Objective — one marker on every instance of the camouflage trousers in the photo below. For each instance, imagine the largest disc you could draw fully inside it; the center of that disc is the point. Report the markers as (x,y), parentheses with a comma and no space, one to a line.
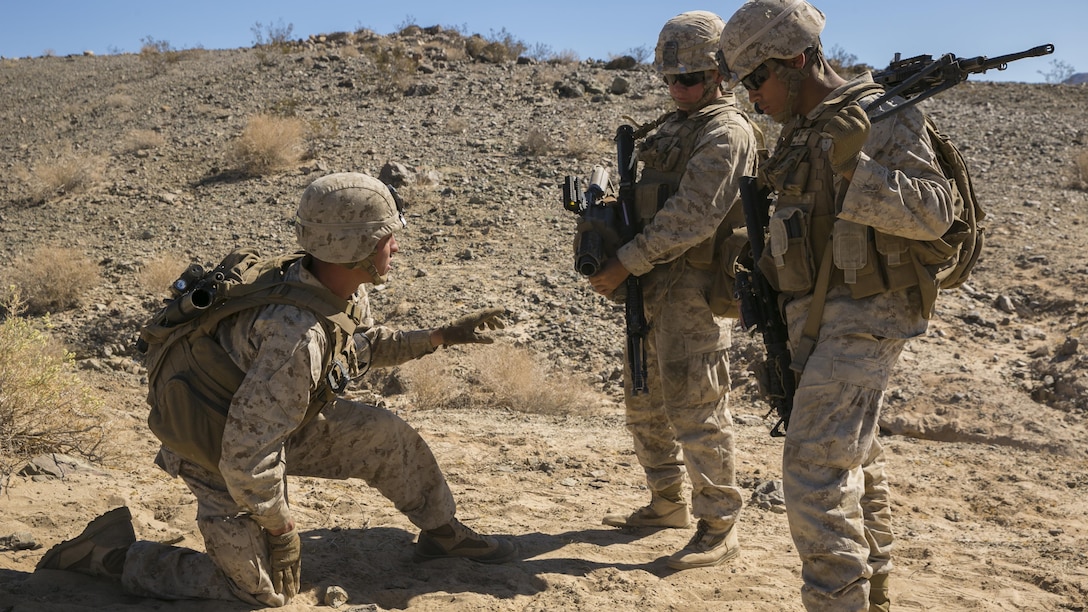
(348,440)
(833,471)
(682,424)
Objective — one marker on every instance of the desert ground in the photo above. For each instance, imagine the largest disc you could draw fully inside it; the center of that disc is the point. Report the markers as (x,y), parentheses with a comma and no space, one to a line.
(985,420)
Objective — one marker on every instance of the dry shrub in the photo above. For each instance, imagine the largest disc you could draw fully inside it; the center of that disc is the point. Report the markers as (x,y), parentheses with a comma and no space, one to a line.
(535,143)
(420,195)
(516,378)
(44,406)
(1081,180)
(495,376)
(50,279)
(120,100)
(158,272)
(565,57)
(433,382)
(457,125)
(268,144)
(158,53)
(395,66)
(70,173)
(591,147)
(141,140)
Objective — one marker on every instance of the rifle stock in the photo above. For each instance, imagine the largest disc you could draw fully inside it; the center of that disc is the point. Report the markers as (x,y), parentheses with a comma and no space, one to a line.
(760,311)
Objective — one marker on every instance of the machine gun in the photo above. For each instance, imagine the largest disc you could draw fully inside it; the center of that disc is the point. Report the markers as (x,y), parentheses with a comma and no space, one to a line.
(917,78)
(759,309)
(605,225)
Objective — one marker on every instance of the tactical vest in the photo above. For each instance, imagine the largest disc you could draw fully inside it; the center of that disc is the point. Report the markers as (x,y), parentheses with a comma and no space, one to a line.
(192,379)
(866,260)
(664,155)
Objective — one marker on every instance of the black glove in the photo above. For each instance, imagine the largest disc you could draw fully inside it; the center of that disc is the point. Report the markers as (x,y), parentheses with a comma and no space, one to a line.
(848,131)
(285,552)
(464,330)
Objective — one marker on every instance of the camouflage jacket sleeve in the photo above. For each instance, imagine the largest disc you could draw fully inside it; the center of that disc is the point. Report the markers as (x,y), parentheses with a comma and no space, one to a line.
(281,348)
(382,347)
(723,153)
(898,187)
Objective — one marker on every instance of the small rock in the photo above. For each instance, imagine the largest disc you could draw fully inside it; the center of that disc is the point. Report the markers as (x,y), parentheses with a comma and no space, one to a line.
(769,495)
(335,597)
(23,540)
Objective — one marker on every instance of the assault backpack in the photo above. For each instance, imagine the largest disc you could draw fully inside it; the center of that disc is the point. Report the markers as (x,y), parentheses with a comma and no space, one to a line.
(930,265)
(966,233)
(192,379)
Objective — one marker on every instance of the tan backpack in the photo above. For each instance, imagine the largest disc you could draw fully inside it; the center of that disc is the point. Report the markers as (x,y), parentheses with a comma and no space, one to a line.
(192,379)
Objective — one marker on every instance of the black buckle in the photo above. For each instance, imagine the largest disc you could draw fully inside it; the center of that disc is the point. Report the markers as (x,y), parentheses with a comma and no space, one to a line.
(337,378)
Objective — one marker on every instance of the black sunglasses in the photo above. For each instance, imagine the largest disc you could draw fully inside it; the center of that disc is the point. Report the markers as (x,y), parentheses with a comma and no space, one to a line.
(756,78)
(686,79)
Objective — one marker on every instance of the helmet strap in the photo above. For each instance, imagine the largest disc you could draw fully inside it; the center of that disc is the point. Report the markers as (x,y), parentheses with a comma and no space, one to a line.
(792,77)
(378,279)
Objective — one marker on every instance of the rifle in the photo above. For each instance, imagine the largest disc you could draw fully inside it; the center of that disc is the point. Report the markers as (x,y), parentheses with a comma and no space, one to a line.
(606,225)
(634,314)
(759,308)
(917,78)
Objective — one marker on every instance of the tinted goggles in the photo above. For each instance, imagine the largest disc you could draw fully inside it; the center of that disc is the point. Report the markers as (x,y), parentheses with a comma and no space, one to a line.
(687,79)
(756,78)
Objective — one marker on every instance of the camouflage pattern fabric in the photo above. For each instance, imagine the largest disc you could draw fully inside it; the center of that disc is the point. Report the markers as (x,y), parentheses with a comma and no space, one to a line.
(725,151)
(280,348)
(833,468)
(768,29)
(684,423)
(688,43)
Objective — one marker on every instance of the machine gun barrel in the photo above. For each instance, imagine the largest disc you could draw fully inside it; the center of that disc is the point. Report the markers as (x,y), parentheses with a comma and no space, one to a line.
(919,77)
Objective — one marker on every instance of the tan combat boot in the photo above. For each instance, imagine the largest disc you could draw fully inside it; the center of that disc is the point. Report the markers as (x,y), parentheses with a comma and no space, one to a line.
(455,539)
(707,548)
(878,594)
(98,551)
(665,510)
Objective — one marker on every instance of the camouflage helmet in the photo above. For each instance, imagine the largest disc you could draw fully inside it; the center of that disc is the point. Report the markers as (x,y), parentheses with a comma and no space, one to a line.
(767,29)
(342,217)
(688,43)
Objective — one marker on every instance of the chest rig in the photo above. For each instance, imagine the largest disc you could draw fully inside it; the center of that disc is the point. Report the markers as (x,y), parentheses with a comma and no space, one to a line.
(806,243)
(664,156)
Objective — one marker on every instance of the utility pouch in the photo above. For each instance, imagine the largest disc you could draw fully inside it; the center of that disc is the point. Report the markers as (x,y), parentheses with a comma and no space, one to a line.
(649,198)
(895,254)
(789,251)
(722,297)
(189,410)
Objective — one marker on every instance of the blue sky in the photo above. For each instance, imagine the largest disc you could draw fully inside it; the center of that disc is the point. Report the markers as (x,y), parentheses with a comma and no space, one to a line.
(872,31)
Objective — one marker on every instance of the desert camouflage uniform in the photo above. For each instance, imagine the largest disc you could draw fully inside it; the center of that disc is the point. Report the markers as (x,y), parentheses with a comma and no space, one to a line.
(684,420)
(281,348)
(833,463)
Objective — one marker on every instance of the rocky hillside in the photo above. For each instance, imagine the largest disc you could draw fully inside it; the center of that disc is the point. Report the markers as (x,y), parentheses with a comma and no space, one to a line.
(482,143)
